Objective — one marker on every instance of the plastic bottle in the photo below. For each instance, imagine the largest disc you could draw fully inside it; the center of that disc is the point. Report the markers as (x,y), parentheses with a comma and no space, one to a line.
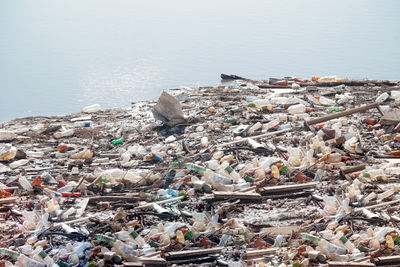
(7,135)
(347,243)
(117,141)
(138,239)
(24,183)
(85,154)
(69,212)
(64,133)
(255,127)
(42,256)
(310,238)
(180,237)
(7,152)
(382,97)
(368,198)
(124,250)
(108,239)
(330,249)
(385,194)
(91,108)
(296,109)
(195,167)
(24,261)
(278,241)
(270,125)
(275,171)
(204,142)
(9,253)
(232,172)
(18,163)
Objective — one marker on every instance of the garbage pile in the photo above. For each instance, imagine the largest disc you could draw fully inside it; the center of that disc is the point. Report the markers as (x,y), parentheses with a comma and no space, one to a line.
(278,172)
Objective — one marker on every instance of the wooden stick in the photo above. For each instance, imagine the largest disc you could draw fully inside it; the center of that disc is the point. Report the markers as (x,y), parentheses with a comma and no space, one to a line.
(380,205)
(190,253)
(341,114)
(259,252)
(346,170)
(236,195)
(148,205)
(253,137)
(352,264)
(282,188)
(7,200)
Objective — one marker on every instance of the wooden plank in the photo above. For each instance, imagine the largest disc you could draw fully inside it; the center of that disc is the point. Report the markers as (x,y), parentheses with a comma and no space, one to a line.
(391,117)
(283,188)
(194,252)
(237,195)
(346,170)
(352,264)
(259,252)
(7,200)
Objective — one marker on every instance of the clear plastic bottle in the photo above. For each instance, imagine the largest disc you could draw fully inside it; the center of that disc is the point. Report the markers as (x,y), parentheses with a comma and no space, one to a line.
(24,261)
(297,109)
(42,256)
(64,133)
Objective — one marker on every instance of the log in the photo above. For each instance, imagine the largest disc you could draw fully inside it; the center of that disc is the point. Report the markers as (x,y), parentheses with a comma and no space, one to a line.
(190,253)
(341,114)
(231,77)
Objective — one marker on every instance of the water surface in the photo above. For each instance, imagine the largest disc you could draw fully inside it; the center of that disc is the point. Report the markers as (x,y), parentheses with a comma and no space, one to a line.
(57,56)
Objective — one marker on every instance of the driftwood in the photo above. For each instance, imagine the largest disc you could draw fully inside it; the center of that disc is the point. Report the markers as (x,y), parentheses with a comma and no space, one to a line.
(260,252)
(246,140)
(346,170)
(351,264)
(285,188)
(237,195)
(341,114)
(191,253)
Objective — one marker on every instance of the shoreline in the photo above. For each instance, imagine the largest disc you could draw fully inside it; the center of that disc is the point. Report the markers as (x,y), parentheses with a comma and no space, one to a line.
(253,172)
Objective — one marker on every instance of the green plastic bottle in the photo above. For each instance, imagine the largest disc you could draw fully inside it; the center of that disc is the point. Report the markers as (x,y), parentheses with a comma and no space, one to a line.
(117,142)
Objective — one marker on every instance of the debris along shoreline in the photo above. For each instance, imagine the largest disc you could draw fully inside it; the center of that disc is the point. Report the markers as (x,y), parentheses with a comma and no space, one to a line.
(279,172)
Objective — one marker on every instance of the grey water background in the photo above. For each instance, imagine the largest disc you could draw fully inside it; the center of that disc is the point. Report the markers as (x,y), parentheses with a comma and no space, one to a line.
(57,56)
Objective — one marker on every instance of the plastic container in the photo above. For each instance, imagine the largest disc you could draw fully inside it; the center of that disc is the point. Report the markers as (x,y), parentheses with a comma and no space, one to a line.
(64,133)
(25,184)
(91,108)
(382,98)
(297,109)
(7,135)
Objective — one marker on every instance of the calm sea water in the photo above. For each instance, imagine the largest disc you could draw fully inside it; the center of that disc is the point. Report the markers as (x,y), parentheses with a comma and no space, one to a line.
(57,56)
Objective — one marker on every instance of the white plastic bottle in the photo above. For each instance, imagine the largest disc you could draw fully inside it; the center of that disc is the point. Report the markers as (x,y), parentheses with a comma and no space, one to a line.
(296,109)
